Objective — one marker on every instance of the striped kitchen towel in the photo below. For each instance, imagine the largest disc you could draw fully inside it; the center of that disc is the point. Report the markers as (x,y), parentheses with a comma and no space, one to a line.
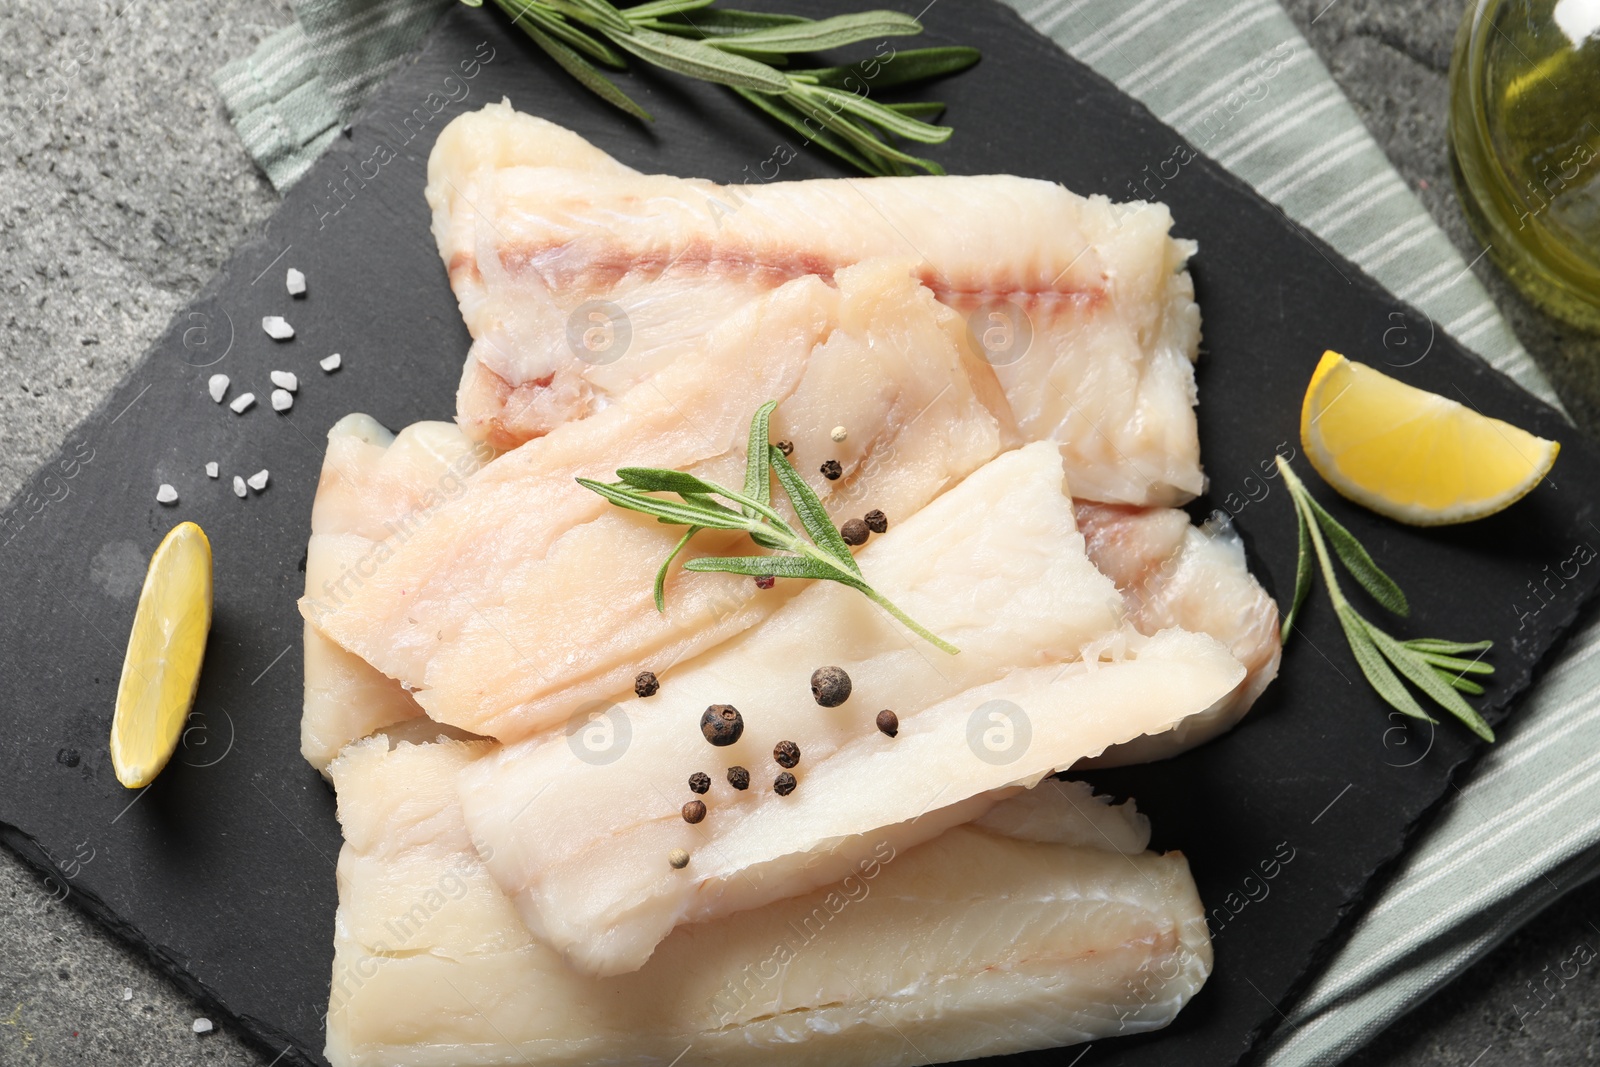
(1238,81)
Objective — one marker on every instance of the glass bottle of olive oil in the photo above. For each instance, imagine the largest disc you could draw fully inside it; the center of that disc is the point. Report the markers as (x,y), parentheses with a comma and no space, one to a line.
(1525,145)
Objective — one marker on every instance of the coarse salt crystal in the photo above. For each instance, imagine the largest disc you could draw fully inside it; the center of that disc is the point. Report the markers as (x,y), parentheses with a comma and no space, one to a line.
(218,385)
(282,400)
(202,1025)
(238,486)
(330,363)
(296,282)
(211,469)
(258,480)
(285,380)
(127,992)
(166,494)
(277,327)
(242,401)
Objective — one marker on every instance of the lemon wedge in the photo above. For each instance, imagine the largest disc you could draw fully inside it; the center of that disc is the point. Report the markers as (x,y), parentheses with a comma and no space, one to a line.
(1412,455)
(162,667)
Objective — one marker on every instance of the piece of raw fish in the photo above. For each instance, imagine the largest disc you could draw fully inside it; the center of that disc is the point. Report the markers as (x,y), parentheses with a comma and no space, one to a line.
(1047,674)
(1051,928)
(375,492)
(1172,573)
(578,278)
(529,597)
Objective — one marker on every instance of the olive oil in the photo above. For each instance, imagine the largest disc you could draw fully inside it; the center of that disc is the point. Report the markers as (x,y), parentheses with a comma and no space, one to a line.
(1525,146)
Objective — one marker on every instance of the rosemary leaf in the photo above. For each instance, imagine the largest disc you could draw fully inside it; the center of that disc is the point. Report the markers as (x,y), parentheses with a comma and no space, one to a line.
(696,59)
(911,65)
(813,516)
(662,8)
(760,566)
(813,134)
(925,109)
(666,564)
(803,100)
(1360,565)
(1373,664)
(1302,572)
(683,514)
(653,480)
(758,466)
(1452,663)
(816,36)
(1448,648)
(1429,680)
(585,72)
(721,22)
(885,118)
(588,45)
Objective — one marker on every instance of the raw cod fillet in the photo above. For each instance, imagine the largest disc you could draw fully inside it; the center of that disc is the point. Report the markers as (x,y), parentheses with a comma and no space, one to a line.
(995,566)
(1172,573)
(528,597)
(578,278)
(1047,924)
(376,490)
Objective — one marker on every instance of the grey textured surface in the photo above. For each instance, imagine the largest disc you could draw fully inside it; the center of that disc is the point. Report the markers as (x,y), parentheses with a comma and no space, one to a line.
(122,189)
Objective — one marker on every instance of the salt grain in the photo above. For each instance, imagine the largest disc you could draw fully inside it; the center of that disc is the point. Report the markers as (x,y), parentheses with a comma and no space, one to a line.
(166,494)
(296,282)
(330,363)
(238,486)
(258,480)
(286,380)
(203,1025)
(218,385)
(282,400)
(127,992)
(242,401)
(211,469)
(277,327)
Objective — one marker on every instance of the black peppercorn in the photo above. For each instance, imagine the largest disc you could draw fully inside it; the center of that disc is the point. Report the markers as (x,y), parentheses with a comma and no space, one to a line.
(645,684)
(888,722)
(738,777)
(831,469)
(784,784)
(854,532)
(699,782)
(722,724)
(787,753)
(877,521)
(786,447)
(694,811)
(765,581)
(830,686)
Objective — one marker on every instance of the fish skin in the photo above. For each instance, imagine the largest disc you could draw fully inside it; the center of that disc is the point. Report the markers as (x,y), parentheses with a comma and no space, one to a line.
(996,567)
(374,487)
(1172,573)
(1075,942)
(875,351)
(1106,330)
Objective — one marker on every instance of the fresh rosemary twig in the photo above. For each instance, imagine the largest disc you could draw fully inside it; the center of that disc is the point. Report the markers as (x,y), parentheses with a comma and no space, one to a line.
(1438,668)
(825,556)
(744,51)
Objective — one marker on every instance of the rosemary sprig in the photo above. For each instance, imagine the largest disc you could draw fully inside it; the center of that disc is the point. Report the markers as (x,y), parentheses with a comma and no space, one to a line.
(1438,668)
(744,51)
(823,556)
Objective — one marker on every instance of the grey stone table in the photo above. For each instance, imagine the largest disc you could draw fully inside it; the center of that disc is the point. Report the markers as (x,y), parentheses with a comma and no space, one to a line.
(122,188)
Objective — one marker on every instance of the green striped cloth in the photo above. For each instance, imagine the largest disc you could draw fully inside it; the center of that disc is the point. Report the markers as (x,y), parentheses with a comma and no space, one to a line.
(1235,78)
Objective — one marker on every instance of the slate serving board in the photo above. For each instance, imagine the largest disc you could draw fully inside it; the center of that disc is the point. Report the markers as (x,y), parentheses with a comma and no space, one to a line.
(223,870)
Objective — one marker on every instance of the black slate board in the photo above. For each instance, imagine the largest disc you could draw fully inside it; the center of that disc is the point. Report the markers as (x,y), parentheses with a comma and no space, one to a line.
(223,870)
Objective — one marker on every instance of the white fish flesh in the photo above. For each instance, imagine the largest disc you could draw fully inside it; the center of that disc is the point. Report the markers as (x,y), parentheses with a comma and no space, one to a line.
(1046,925)
(375,492)
(578,278)
(529,596)
(1172,573)
(994,566)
